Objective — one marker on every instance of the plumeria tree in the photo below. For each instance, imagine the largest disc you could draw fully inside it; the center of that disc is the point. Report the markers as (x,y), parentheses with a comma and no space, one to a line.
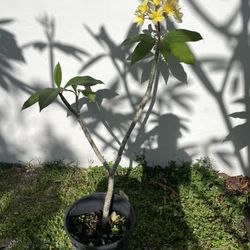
(156,42)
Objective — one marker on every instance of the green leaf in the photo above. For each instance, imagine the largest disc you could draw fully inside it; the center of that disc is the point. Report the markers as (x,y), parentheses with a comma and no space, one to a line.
(182,52)
(135,39)
(182,35)
(47,96)
(86,81)
(165,50)
(31,100)
(58,75)
(90,95)
(142,49)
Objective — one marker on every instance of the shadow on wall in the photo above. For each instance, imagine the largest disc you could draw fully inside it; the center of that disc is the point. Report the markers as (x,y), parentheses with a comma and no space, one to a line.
(102,110)
(11,53)
(173,95)
(116,122)
(55,148)
(231,69)
(167,131)
(51,44)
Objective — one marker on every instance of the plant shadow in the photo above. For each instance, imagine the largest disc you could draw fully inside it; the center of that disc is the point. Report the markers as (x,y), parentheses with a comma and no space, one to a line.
(105,113)
(160,221)
(179,207)
(33,198)
(231,90)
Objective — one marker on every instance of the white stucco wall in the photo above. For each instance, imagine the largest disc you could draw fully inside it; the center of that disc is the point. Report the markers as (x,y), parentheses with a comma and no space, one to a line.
(188,120)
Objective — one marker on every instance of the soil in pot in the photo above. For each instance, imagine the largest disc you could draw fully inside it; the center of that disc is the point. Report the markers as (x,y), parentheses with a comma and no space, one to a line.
(88,229)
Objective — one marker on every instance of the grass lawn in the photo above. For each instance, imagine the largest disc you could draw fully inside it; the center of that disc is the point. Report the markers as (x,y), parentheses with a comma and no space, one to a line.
(179,207)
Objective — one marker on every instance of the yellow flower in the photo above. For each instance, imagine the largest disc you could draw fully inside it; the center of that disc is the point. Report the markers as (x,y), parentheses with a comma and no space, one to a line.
(178,15)
(139,19)
(156,2)
(157,16)
(172,8)
(169,9)
(157,10)
(143,8)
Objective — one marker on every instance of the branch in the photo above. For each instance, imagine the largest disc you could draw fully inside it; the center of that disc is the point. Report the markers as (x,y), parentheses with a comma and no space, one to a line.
(68,105)
(86,133)
(139,111)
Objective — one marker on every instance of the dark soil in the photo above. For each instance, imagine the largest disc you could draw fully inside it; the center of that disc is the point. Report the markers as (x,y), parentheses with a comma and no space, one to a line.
(238,185)
(87,229)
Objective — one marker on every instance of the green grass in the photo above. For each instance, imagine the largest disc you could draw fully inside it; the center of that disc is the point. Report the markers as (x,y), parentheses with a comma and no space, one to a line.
(179,207)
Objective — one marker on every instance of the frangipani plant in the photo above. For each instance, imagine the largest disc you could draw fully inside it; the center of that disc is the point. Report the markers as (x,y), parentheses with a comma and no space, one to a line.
(158,43)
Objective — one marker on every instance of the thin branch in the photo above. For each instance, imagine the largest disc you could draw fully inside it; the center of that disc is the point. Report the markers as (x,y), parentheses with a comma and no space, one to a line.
(86,133)
(68,105)
(139,111)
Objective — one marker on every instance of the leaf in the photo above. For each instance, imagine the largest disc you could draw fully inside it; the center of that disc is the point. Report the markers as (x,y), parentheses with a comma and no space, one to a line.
(70,50)
(106,93)
(58,75)
(164,70)
(245,100)
(39,45)
(182,52)
(86,81)
(239,135)
(165,50)
(177,70)
(6,21)
(182,35)
(235,85)
(9,47)
(142,49)
(31,100)
(136,38)
(91,62)
(146,67)
(47,96)
(90,95)
(241,115)
(225,157)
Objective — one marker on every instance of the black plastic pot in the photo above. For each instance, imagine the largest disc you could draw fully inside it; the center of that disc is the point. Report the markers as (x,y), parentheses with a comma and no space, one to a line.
(94,202)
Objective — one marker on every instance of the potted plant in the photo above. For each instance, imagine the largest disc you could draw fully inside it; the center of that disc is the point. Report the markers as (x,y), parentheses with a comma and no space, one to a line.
(107,216)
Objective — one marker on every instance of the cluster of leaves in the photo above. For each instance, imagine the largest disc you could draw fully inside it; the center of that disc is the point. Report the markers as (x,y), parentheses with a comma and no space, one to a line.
(179,207)
(117,223)
(47,96)
(172,43)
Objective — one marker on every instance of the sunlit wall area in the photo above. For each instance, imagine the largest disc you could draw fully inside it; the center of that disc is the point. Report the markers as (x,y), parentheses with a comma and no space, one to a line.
(199,111)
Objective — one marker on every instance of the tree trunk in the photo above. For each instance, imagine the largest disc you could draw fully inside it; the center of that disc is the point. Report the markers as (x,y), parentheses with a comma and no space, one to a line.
(108,200)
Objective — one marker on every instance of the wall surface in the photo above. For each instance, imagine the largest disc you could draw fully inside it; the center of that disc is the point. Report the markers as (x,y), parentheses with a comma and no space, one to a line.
(208,116)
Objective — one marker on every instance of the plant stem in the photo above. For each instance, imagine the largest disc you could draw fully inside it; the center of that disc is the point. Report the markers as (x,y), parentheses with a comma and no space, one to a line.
(139,111)
(108,199)
(86,133)
(137,116)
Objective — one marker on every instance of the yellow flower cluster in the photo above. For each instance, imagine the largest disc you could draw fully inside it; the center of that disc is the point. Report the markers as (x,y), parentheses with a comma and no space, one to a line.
(157,11)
